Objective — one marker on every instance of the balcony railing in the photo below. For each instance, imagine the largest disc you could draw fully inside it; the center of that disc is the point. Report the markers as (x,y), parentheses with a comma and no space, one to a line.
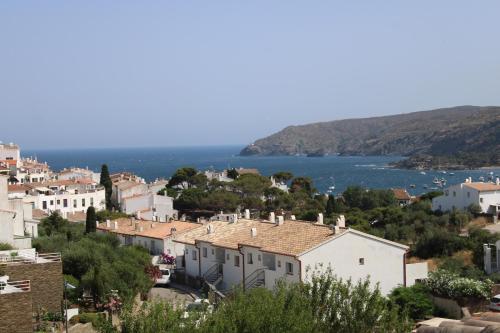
(28,258)
(10,287)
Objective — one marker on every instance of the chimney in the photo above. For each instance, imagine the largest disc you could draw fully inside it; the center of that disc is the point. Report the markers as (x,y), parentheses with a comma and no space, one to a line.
(341,221)
(253,232)
(141,228)
(108,224)
(96,223)
(320,218)
(272,217)
(152,225)
(115,225)
(131,222)
(280,220)
(292,217)
(235,218)
(336,229)
(210,229)
(173,231)
(497,181)
(247,213)
(138,214)
(136,226)
(183,217)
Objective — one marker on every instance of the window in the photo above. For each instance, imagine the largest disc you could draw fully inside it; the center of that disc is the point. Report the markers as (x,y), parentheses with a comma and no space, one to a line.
(250,258)
(44,204)
(65,202)
(227,256)
(279,263)
(58,202)
(83,202)
(204,252)
(446,192)
(52,202)
(259,258)
(187,251)
(193,254)
(74,203)
(361,261)
(289,268)
(92,201)
(213,251)
(481,200)
(237,261)
(454,193)
(468,194)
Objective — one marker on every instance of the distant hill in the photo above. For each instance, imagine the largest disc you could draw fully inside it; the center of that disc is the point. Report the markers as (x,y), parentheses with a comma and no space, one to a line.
(448,133)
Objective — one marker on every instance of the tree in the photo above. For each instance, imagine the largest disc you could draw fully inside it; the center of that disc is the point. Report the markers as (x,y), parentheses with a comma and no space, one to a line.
(90,221)
(232,173)
(187,176)
(302,184)
(251,184)
(415,300)
(108,185)
(283,176)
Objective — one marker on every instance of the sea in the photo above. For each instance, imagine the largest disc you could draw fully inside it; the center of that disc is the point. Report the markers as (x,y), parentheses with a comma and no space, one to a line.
(331,174)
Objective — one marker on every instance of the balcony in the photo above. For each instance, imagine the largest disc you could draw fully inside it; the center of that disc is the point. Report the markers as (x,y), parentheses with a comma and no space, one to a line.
(10,287)
(27,256)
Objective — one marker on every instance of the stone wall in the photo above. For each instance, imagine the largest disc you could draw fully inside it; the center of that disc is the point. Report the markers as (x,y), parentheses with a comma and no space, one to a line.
(16,314)
(46,283)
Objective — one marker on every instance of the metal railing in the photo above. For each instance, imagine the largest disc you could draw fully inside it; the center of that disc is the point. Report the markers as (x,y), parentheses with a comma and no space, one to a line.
(29,259)
(213,273)
(256,279)
(10,287)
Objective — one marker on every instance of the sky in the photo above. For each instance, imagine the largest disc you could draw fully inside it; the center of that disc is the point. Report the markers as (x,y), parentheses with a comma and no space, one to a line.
(81,74)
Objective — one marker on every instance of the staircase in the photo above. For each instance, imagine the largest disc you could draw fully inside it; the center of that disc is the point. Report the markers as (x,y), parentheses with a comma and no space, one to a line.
(213,275)
(256,279)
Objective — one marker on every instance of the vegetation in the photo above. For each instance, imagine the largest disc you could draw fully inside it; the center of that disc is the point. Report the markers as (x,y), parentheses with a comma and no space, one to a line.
(90,220)
(95,262)
(5,247)
(326,304)
(108,185)
(414,300)
(448,284)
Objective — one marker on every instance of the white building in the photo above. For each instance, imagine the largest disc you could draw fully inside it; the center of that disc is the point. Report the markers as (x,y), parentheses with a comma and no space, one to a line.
(126,189)
(461,196)
(156,237)
(65,196)
(17,225)
(78,173)
(9,152)
(258,253)
(149,206)
(220,176)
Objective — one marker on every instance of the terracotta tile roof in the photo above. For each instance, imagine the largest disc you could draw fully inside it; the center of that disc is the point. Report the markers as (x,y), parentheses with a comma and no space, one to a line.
(243,171)
(401,194)
(124,185)
(9,162)
(77,217)
(483,187)
(160,230)
(290,238)
(39,214)
(18,188)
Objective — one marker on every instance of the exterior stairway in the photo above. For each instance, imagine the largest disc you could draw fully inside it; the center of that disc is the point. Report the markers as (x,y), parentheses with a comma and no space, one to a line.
(256,279)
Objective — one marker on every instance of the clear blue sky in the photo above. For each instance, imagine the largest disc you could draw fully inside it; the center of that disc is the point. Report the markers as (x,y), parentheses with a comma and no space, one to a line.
(166,73)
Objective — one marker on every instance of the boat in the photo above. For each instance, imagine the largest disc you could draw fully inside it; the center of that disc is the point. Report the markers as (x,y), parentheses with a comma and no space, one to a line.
(412,185)
(331,188)
(481,179)
(433,188)
(425,186)
(422,173)
(451,173)
(435,180)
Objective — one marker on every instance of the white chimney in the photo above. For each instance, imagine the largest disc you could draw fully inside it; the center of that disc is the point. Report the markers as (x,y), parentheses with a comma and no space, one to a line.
(136,226)
(115,225)
(96,223)
(235,218)
(497,181)
(320,218)
(172,231)
(253,232)
(247,213)
(131,222)
(293,218)
(141,229)
(210,229)
(341,221)
(272,218)
(280,220)
(336,229)
(152,225)
(138,214)
(108,224)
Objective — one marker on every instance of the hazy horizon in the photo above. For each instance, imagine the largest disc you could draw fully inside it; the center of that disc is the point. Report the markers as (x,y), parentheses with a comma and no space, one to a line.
(193,74)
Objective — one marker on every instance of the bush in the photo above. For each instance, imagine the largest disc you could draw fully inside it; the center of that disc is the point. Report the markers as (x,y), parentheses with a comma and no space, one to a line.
(5,247)
(451,285)
(90,317)
(415,300)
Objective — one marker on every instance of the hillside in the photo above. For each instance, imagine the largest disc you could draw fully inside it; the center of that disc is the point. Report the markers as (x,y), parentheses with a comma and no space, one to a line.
(448,132)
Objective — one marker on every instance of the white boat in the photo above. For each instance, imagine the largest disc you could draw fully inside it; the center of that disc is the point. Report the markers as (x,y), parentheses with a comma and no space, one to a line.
(331,188)
(422,173)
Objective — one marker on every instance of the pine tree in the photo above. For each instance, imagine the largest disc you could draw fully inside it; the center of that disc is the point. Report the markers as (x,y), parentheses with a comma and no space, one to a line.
(90,222)
(108,185)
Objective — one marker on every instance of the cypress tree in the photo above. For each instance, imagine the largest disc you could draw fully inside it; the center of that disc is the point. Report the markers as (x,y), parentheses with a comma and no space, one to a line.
(90,222)
(108,185)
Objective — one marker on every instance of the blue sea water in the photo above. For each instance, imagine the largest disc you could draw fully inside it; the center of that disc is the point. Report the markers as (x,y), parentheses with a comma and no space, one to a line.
(338,171)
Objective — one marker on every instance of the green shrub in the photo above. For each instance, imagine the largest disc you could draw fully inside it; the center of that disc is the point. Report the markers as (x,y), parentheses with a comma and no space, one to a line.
(5,247)
(449,284)
(414,300)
